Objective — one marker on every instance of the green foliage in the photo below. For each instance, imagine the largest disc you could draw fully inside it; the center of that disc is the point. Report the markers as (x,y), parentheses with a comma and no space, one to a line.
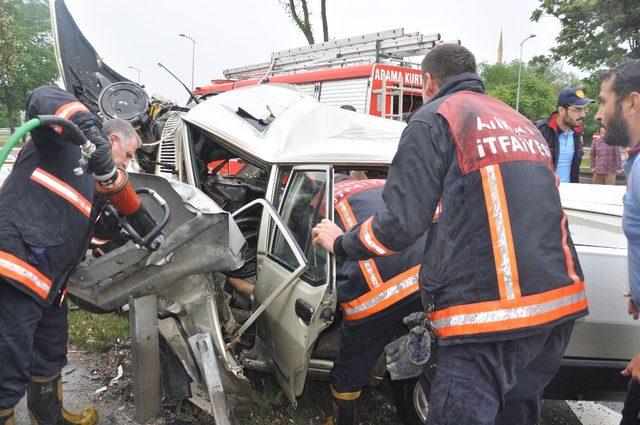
(595,33)
(542,80)
(551,70)
(538,90)
(97,331)
(591,86)
(27,58)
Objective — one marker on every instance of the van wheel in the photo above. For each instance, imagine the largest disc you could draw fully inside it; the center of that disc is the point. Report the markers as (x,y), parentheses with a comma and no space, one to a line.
(410,401)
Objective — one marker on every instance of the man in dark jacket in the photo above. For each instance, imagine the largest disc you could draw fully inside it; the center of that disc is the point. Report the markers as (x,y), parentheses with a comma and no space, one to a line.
(563,133)
(46,222)
(501,280)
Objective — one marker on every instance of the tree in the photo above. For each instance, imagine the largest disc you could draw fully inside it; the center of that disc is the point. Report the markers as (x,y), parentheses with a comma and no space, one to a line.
(27,58)
(591,87)
(294,7)
(542,80)
(538,93)
(595,33)
(551,70)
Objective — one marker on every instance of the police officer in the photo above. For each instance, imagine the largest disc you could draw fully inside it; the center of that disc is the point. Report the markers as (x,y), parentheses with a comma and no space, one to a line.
(374,294)
(501,276)
(46,220)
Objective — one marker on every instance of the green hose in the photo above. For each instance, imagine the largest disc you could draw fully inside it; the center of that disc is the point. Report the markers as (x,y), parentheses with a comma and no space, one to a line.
(16,137)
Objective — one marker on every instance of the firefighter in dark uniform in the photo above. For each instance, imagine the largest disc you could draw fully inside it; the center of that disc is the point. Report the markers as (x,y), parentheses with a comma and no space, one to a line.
(501,279)
(374,295)
(46,218)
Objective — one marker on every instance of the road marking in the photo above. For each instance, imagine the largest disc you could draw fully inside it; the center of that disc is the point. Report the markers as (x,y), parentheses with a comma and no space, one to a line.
(590,413)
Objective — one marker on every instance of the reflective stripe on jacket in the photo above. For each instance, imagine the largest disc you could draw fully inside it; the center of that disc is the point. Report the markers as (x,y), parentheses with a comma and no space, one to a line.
(368,287)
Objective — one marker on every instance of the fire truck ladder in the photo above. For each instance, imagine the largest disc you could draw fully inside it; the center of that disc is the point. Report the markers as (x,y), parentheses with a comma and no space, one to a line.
(369,48)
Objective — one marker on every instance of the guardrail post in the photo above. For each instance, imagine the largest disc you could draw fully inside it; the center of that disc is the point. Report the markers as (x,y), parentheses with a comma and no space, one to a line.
(145,351)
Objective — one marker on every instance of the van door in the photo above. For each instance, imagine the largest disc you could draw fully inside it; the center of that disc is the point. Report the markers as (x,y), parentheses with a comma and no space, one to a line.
(291,323)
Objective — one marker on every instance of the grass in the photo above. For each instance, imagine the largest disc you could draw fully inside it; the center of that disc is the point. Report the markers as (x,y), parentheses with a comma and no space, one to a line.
(99,332)
(269,406)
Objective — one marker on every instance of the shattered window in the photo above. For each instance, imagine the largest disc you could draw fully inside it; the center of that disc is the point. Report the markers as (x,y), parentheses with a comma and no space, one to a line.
(303,207)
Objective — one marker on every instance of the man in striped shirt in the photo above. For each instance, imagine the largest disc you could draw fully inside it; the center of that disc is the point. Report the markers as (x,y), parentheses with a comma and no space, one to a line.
(605,160)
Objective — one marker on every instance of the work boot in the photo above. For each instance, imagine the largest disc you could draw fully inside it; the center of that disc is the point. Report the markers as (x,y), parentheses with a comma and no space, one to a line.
(344,408)
(6,416)
(44,399)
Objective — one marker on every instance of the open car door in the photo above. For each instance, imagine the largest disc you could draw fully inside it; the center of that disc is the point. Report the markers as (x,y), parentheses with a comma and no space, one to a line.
(293,320)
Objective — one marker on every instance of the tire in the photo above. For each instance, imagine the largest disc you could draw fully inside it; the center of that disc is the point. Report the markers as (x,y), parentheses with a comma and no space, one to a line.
(410,401)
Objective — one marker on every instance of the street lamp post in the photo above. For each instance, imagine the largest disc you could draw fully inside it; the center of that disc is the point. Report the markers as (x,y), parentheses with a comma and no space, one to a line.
(520,73)
(137,69)
(193,56)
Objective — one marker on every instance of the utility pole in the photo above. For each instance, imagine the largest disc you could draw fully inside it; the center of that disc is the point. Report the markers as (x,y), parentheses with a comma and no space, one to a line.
(193,57)
(520,73)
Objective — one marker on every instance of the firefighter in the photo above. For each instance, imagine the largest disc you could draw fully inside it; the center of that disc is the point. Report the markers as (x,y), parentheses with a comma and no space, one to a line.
(46,218)
(374,295)
(503,285)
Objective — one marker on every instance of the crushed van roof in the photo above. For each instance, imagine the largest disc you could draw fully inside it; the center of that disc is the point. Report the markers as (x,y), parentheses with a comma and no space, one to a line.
(297,128)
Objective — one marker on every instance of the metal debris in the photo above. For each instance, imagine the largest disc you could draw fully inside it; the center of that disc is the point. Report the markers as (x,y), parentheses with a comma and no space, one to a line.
(117,377)
(100,390)
(93,375)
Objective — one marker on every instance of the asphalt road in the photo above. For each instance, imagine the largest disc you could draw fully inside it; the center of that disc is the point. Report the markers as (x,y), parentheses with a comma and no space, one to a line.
(559,412)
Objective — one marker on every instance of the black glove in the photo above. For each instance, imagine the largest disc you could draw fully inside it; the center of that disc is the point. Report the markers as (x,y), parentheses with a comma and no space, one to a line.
(101,162)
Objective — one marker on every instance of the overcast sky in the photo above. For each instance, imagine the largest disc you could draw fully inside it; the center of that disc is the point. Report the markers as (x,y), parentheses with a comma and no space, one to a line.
(141,33)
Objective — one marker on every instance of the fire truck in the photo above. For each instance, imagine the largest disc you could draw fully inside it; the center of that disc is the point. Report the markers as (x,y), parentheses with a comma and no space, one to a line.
(371,73)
